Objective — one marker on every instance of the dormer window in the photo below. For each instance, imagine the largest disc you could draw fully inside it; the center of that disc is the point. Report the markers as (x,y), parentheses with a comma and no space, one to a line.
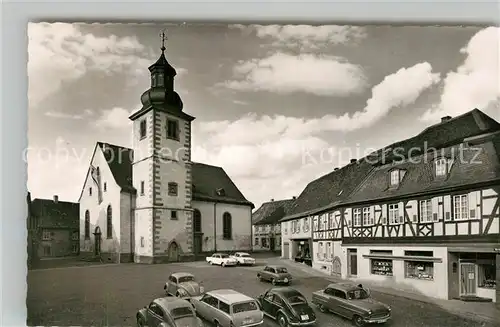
(443,166)
(221,192)
(395,177)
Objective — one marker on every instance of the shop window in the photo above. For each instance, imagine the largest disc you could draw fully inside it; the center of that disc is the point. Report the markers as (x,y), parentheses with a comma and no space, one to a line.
(264,242)
(419,269)
(256,241)
(381,266)
(486,273)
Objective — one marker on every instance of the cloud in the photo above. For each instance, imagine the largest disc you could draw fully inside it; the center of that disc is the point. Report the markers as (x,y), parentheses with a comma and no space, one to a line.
(61,115)
(114,118)
(284,73)
(62,52)
(474,84)
(305,37)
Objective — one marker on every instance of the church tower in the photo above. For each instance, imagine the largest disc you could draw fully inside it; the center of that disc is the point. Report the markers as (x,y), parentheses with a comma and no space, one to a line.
(161,170)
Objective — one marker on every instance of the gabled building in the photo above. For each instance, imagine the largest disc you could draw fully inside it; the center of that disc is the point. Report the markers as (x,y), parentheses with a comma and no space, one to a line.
(53,228)
(152,203)
(267,226)
(419,215)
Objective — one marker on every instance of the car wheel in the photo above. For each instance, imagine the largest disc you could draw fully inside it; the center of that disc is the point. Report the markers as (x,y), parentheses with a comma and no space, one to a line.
(259,277)
(223,264)
(273,282)
(322,308)
(282,321)
(358,321)
(216,324)
(140,322)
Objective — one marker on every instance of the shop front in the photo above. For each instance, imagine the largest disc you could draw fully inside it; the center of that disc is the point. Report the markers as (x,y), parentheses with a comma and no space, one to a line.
(473,275)
(301,251)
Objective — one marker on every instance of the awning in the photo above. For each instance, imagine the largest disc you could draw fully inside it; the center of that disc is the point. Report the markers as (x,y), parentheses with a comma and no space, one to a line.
(406,258)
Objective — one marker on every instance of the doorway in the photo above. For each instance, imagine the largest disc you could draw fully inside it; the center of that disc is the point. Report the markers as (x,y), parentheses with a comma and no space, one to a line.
(97,241)
(173,252)
(197,232)
(271,243)
(352,262)
(468,279)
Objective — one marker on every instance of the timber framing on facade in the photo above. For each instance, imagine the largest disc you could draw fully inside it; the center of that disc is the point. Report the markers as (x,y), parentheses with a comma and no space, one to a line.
(438,192)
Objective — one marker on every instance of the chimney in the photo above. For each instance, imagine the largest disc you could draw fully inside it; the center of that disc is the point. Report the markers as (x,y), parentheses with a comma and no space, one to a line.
(445,118)
(294,197)
(272,200)
(353,160)
(336,168)
(56,199)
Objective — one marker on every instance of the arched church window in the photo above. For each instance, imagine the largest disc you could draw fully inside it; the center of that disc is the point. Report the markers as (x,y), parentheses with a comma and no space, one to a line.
(87,225)
(109,222)
(227,228)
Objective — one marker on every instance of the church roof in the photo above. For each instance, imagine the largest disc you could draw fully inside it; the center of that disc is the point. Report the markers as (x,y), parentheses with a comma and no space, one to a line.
(119,159)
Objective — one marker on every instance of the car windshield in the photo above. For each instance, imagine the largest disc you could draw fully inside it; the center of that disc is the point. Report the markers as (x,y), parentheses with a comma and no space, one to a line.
(358,295)
(244,255)
(184,279)
(281,270)
(181,312)
(245,306)
(224,256)
(296,299)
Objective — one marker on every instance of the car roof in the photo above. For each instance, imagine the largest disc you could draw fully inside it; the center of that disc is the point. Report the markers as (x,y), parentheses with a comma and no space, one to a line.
(230,296)
(182,274)
(275,266)
(218,253)
(285,291)
(242,253)
(169,303)
(346,287)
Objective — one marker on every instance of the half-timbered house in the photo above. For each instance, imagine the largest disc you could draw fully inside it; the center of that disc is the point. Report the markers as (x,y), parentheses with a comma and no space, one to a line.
(426,218)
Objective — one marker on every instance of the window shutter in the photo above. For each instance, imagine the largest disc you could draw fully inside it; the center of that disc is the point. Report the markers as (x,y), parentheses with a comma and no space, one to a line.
(383,216)
(401,208)
(372,215)
(473,205)
(435,208)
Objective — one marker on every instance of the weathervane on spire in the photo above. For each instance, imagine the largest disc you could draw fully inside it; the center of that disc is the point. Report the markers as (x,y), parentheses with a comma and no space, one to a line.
(163,38)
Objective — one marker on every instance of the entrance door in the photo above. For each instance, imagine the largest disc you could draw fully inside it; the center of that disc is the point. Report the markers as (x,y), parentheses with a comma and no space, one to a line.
(173,252)
(286,251)
(97,241)
(468,279)
(197,243)
(352,262)
(271,243)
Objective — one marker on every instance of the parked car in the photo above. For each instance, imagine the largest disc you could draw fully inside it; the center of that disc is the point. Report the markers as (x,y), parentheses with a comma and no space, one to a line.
(243,258)
(168,312)
(287,306)
(352,302)
(182,284)
(228,308)
(275,274)
(221,259)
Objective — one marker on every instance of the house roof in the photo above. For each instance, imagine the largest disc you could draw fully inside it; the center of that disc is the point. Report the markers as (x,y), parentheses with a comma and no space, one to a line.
(211,183)
(368,177)
(476,164)
(333,187)
(441,135)
(56,215)
(271,212)
(119,160)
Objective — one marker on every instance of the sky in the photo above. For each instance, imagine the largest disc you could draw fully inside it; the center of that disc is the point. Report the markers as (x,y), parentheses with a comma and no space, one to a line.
(276,106)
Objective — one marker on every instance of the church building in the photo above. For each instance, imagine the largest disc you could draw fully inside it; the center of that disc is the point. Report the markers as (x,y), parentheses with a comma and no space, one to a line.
(151,203)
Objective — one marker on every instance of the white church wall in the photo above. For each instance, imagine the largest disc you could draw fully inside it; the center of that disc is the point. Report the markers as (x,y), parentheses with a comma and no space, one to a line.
(98,212)
(213,229)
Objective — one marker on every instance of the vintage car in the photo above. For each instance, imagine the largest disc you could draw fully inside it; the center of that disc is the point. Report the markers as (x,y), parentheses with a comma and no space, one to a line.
(168,312)
(228,308)
(275,274)
(243,259)
(221,259)
(287,306)
(352,302)
(182,284)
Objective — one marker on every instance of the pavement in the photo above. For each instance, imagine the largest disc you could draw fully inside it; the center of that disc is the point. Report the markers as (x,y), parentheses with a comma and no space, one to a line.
(480,311)
(111,295)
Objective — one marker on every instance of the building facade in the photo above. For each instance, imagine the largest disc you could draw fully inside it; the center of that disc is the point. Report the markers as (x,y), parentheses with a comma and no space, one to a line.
(267,226)
(53,229)
(427,222)
(152,203)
